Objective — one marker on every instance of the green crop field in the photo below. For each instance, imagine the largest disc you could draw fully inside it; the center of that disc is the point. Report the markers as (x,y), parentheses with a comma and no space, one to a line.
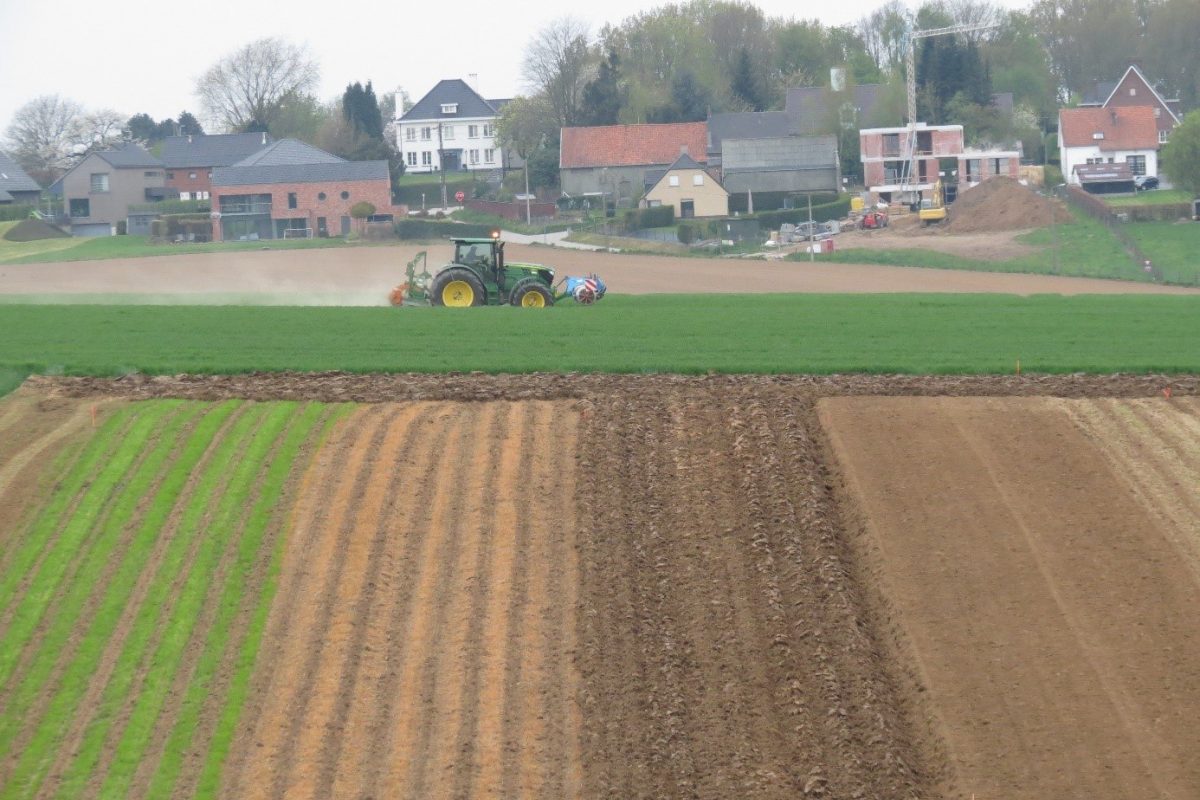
(655,333)
(134,595)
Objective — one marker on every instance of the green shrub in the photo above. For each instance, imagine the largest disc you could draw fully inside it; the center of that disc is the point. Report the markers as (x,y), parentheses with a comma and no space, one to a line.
(430,229)
(362,209)
(636,219)
(686,232)
(821,212)
(16,211)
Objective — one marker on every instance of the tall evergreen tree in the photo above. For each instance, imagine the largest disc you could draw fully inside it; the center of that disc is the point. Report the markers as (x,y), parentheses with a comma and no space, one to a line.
(602,96)
(188,124)
(745,85)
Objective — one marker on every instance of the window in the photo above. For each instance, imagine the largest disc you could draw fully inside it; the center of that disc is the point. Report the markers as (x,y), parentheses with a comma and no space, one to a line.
(185,195)
(192,175)
(1162,137)
(449,108)
(81,208)
(447,132)
(1098,135)
(673,180)
(1111,159)
(426,159)
(345,195)
(99,182)
(697,180)
(411,158)
(426,133)
(489,129)
(891,145)
(489,156)
(170,176)
(474,156)
(1137,164)
(472,131)
(291,199)
(320,196)
(202,196)
(1095,161)
(1157,112)
(410,134)
(154,174)
(1133,91)
(210,174)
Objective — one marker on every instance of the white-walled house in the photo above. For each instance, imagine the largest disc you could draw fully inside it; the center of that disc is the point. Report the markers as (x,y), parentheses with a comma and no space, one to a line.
(1114,135)
(468,130)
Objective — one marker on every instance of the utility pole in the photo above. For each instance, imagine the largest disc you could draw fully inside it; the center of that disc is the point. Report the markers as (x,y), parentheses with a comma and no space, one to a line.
(812,233)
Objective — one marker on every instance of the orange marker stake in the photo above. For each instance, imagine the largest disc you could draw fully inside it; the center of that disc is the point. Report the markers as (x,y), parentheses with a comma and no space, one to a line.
(1167,392)
(93,416)
(1018,366)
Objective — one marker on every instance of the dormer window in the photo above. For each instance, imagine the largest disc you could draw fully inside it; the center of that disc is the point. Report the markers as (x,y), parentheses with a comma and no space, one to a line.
(1098,135)
(449,108)
(1133,91)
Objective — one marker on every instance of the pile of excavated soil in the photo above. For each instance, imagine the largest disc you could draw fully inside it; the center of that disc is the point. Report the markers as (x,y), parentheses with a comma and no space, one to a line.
(32,230)
(1001,204)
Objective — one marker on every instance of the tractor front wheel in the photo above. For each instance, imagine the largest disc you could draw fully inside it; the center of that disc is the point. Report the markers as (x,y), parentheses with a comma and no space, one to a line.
(458,288)
(531,293)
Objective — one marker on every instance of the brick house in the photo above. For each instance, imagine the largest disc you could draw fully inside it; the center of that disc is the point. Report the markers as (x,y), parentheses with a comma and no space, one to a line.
(1114,135)
(940,155)
(613,160)
(289,185)
(1134,89)
(190,159)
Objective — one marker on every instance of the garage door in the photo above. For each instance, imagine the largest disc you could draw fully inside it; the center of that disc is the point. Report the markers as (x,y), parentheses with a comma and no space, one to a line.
(94,229)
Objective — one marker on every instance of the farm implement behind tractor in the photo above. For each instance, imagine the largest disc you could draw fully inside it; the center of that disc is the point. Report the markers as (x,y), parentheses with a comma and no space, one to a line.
(479,276)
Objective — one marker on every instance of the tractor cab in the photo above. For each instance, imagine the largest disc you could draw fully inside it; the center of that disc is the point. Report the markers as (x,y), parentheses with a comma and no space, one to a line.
(485,256)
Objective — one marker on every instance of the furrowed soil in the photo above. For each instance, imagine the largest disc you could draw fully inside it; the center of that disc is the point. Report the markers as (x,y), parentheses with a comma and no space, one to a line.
(1040,560)
(597,586)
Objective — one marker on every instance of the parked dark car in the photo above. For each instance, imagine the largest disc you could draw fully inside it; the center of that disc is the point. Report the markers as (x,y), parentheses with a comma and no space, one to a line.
(1145,182)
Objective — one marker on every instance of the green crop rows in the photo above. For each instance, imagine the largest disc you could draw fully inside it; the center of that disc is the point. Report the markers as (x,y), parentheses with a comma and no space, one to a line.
(651,333)
(144,576)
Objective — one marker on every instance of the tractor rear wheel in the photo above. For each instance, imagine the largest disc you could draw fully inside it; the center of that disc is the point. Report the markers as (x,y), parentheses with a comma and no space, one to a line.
(458,288)
(531,293)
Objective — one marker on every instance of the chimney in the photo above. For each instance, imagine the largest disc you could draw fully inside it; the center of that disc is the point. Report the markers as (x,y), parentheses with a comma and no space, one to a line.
(1113,113)
(189,138)
(683,149)
(473,81)
(264,137)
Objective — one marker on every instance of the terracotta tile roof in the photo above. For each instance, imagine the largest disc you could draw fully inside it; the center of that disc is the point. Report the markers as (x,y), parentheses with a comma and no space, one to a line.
(631,145)
(1123,128)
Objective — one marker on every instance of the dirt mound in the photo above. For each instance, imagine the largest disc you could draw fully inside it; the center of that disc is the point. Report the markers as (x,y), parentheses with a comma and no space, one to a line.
(1001,204)
(32,230)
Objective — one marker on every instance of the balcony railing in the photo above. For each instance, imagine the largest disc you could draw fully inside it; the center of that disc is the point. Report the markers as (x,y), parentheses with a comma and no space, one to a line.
(228,209)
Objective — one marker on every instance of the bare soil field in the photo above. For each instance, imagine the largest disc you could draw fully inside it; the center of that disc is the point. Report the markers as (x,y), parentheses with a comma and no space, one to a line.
(713,587)
(364,276)
(1039,558)
(909,235)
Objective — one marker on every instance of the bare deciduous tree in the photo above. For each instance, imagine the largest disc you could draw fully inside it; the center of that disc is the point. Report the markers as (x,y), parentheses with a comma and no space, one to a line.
(43,134)
(558,65)
(249,85)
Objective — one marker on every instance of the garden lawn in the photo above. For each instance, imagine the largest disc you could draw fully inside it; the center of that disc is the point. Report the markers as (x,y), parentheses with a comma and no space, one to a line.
(653,333)
(1173,247)
(1151,198)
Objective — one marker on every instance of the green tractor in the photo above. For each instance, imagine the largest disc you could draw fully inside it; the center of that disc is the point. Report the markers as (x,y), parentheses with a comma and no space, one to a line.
(479,276)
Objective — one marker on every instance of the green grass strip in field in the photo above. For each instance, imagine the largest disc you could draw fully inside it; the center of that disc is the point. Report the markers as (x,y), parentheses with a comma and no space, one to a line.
(39,752)
(112,479)
(150,613)
(181,740)
(26,549)
(189,608)
(690,334)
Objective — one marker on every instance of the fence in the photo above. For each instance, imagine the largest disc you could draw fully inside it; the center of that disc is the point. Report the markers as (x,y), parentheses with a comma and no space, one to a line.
(1100,211)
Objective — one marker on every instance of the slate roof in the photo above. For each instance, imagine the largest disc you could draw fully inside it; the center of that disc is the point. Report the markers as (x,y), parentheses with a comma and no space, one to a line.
(452,90)
(210,150)
(5,197)
(1123,128)
(749,125)
(631,145)
(288,152)
(787,153)
(128,156)
(15,179)
(1097,94)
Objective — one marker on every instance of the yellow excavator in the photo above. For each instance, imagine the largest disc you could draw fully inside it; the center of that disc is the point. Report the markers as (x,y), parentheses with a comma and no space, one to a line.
(934,209)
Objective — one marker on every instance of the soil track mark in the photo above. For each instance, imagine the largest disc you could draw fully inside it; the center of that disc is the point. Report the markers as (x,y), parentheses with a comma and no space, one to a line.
(1048,613)
(433,617)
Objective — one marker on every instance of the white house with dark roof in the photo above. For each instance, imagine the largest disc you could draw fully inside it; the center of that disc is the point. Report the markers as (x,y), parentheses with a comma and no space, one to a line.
(467,139)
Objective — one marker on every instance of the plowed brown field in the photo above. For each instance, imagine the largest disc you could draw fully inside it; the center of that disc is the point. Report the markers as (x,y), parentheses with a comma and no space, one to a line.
(421,642)
(557,586)
(1040,557)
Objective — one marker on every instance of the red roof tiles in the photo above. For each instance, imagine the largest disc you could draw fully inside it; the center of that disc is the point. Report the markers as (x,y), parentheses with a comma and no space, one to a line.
(632,145)
(1122,128)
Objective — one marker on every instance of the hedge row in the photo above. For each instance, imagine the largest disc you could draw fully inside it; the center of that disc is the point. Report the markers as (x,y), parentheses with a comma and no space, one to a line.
(637,219)
(15,211)
(821,212)
(432,229)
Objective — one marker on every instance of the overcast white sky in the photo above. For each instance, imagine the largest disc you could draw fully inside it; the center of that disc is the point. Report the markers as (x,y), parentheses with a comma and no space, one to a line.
(139,55)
